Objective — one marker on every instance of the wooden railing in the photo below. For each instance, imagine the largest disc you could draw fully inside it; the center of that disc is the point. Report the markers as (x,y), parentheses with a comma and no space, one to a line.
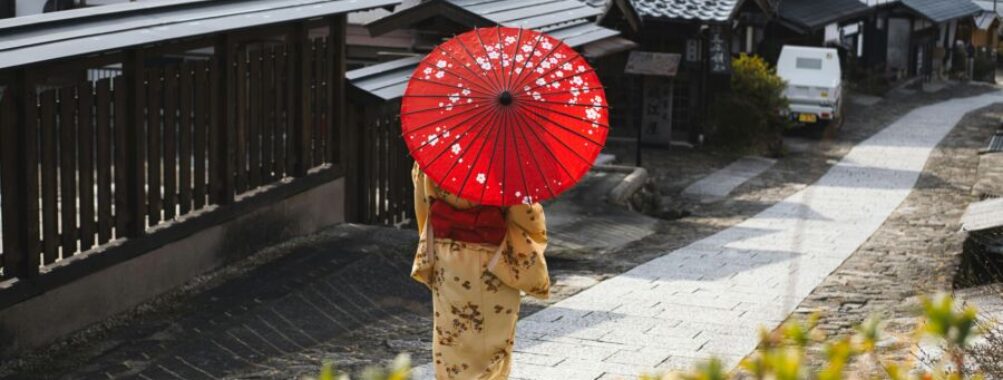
(88,163)
(385,178)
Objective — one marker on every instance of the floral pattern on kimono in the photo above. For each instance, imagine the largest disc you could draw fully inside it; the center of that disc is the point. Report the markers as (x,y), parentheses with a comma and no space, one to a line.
(476,287)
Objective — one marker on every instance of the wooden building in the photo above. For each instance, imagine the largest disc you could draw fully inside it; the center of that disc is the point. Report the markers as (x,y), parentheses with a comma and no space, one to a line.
(915,37)
(836,23)
(143,144)
(986,31)
(700,37)
(377,89)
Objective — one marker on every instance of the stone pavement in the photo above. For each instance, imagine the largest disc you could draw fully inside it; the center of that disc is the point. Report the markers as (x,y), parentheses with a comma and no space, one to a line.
(917,249)
(719,184)
(707,298)
(274,315)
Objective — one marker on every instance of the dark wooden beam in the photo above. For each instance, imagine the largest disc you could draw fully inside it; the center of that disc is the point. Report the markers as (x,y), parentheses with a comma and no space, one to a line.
(134,68)
(223,120)
(301,128)
(19,173)
(336,56)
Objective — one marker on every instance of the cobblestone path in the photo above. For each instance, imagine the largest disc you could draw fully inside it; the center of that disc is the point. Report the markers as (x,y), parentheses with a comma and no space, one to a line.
(708,298)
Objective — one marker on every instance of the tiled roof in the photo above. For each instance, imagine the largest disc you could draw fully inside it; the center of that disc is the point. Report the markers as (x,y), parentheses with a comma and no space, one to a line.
(601,4)
(572,21)
(78,32)
(943,10)
(814,14)
(704,10)
(988,6)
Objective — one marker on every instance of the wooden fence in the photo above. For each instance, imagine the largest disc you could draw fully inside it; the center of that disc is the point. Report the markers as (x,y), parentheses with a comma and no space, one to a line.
(385,192)
(88,163)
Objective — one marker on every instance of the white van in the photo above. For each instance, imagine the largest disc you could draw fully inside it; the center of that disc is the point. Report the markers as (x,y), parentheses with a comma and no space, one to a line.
(814,83)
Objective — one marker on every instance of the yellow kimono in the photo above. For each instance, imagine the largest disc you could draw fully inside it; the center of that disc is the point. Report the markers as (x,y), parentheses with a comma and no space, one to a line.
(475,287)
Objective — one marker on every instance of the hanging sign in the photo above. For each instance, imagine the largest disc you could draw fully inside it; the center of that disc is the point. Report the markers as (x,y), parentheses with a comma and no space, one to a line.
(693,50)
(651,63)
(718,52)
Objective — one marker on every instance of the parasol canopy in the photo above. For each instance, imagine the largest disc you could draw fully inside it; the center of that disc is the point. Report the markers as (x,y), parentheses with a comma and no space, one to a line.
(504,116)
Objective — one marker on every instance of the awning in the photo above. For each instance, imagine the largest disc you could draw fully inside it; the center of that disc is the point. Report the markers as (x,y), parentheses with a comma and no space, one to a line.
(940,11)
(811,15)
(607,46)
(72,33)
(384,81)
(983,215)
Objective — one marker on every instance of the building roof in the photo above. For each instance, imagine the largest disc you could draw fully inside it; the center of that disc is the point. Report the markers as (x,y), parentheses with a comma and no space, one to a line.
(601,4)
(571,21)
(940,11)
(72,33)
(701,10)
(543,15)
(387,81)
(989,6)
(811,15)
(985,20)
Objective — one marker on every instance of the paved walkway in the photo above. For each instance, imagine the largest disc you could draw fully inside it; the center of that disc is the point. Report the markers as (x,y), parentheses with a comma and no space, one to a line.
(709,297)
(719,184)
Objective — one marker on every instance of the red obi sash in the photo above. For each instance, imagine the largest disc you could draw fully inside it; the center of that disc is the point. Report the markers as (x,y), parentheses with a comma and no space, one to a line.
(479,225)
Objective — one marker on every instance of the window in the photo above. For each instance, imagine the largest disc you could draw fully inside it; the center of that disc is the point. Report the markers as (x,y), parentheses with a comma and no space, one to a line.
(809,63)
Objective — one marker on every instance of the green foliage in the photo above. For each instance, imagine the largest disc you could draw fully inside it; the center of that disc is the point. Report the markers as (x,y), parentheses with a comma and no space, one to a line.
(399,369)
(750,114)
(984,67)
(943,321)
(782,354)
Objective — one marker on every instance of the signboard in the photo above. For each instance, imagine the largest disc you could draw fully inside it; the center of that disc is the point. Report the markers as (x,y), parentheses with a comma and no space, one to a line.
(693,49)
(656,117)
(718,52)
(650,63)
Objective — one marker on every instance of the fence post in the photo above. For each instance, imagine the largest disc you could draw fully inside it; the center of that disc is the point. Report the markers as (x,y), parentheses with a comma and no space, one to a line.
(301,99)
(134,68)
(350,162)
(224,116)
(336,56)
(19,176)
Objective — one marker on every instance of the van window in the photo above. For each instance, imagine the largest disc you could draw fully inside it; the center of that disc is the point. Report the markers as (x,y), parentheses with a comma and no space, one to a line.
(809,63)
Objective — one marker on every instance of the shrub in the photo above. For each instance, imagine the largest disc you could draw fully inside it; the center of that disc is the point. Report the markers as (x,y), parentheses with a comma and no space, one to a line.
(782,354)
(750,114)
(399,369)
(984,67)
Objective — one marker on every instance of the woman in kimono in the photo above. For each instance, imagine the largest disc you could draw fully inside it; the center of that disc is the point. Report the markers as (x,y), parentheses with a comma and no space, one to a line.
(476,260)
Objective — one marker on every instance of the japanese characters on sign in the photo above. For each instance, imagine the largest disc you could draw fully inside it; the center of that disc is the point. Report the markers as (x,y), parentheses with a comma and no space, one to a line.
(693,50)
(718,52)
(650,63)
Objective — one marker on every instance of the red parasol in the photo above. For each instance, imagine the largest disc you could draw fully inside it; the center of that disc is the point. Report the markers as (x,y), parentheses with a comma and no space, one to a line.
(504,116)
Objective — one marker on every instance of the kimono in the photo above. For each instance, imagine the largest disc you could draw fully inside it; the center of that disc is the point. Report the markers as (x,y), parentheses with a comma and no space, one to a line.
(476,287)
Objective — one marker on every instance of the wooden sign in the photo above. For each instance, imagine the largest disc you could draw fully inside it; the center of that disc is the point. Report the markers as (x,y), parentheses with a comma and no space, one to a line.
(718,52)
(651,63)
(693,50)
